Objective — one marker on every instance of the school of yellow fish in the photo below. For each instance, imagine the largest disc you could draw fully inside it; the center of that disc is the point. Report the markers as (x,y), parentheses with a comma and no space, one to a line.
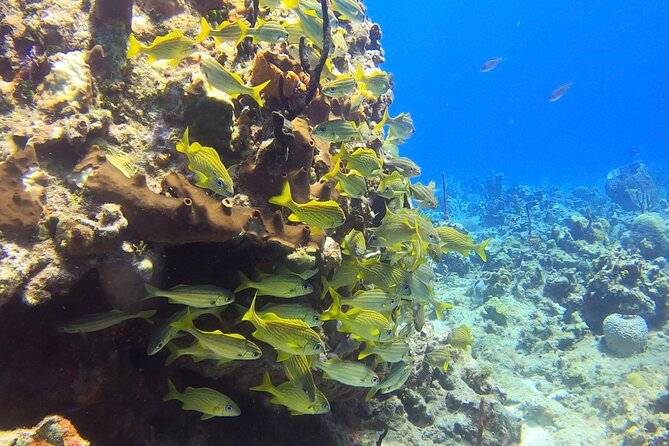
(381,293)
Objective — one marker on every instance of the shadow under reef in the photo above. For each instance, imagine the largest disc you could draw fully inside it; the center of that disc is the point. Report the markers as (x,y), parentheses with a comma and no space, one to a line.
(112,391)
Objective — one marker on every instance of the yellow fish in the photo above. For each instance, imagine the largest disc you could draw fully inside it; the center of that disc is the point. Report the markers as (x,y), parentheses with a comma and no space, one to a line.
(339,130)
(439,358)
(392,185)
(295,399)
(393,351)
(352,184)
(99,321)
(228,82)
(206,165)
(400,128)
(454,240)
(171,47)
(362,324)
(227,31)
(197,296)
(298,371)
(204,400)
(364,160)
(424,194)
(354,243)
(225,345)
(278,285)
(351,373)
(287,336)
(317,214)
(461,337)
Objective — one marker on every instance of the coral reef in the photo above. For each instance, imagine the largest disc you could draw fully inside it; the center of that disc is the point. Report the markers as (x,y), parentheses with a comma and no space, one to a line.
(632,187)
(625,334)
(51,431)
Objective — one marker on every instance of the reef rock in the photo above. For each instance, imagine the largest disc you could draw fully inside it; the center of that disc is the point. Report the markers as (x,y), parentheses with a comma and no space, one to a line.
(632,187)
(650,234)
(53,430)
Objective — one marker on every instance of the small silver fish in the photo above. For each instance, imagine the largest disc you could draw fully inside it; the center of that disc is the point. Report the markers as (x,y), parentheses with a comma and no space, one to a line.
(100,321)
(559,92)
(490,64)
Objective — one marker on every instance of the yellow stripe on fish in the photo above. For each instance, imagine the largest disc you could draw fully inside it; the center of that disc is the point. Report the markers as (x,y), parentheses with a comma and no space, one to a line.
(317,214)
(207,401)
(287,336)
(171,47)
(225,345)
(351,373)
(228,82)
(361,324)
(454,240)
(298,371)
(296,400)
(206,165)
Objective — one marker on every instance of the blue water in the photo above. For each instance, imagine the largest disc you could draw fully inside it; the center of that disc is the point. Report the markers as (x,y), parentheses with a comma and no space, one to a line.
(616,53)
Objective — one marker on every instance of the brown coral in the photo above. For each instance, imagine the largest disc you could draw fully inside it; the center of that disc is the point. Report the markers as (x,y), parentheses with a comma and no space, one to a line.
(20,209)
(188,215)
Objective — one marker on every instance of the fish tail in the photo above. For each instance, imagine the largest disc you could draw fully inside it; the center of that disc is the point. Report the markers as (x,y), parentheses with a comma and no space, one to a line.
(256,92)
(244,282)
(266,385)
(326,287)
(369,346)
(440,307)
(147,315)
(244,31)
(285,198)
(174,354)
(335,309)
(134,47)
(359,73)
(371,393)
(480,249)
(290,4)
(185,324)
(204,32)
(251,314)
(383,121)
(172,392)
(182,146)
(151,290)
(335,166)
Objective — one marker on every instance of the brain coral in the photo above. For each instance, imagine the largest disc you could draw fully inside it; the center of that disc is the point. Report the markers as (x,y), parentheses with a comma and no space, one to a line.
(625,334)
(651,232)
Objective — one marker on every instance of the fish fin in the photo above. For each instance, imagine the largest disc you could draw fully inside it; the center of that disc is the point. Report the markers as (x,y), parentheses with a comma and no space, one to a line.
(174,354)
(204,32)
(282,356)
(266,384)
(480,249)
(172,392)
(174,34)
(371,393)
(359,73)
(152,290)
(294,218)
(326,287)
(224,361)
(335,309)
(173,62)
(201,179)
(285,198)
(382,122)
(369,346)
(244,282)
(151,59)
(183,144)
(244,30)
(206,416)
(134,47)
(251,314)
(440,307)
(256,92)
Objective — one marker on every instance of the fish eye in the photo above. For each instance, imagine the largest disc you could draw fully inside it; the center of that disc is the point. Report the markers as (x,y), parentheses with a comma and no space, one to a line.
(325,406)
(305,286)
(389,331)
(228,408)
(256,354)
(392,301)
(318,347)
(317,318)
(375,380)
(219,182)
(405,287)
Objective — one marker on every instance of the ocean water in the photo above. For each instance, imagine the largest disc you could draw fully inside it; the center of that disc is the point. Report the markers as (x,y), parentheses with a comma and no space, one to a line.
(208,241)
(615,53)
